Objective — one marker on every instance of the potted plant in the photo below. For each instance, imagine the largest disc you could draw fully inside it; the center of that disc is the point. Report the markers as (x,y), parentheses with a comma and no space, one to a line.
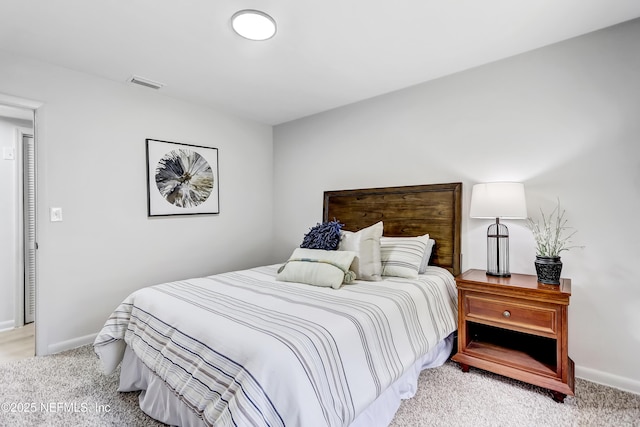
(552,236)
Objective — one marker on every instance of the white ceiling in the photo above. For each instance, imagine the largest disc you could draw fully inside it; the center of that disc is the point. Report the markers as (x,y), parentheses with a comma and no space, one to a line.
(325,54)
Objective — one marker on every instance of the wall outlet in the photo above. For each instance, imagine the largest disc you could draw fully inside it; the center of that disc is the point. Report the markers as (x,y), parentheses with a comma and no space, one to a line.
(56,214)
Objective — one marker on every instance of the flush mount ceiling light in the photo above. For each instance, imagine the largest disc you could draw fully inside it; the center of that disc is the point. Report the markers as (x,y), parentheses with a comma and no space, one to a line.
(253,24)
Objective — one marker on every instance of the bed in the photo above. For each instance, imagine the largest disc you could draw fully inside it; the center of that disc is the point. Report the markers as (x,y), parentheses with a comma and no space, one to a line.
(248,348)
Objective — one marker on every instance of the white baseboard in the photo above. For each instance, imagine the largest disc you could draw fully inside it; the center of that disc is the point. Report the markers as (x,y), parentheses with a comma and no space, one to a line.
(6,325)
(608,379)
(71,344)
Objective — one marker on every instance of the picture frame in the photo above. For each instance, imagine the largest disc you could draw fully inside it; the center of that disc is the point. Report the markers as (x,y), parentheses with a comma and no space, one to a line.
(182,179)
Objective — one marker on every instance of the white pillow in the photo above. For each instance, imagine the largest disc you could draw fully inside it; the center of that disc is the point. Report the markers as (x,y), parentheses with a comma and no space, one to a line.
(366,244)
(402,256)
(318,267)
(427,254)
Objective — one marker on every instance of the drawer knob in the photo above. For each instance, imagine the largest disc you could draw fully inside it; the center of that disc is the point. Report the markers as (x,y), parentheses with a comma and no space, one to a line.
(506,313)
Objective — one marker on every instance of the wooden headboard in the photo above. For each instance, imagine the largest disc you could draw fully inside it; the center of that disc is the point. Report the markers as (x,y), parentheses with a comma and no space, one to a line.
(405,211)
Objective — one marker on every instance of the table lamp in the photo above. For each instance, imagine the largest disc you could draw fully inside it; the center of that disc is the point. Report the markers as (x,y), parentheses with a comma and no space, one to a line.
(498,200)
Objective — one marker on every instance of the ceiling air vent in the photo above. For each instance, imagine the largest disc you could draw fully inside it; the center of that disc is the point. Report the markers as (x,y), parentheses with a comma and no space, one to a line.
(145,82)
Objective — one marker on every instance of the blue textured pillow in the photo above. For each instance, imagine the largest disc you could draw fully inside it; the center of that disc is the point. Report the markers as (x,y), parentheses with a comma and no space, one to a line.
(323,236)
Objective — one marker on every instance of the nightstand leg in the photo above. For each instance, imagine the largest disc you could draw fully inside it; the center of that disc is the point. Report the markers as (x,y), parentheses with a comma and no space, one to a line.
(558,397)
(464,367)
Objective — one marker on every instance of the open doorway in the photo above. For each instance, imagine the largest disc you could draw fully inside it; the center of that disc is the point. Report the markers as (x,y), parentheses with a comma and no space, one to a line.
(18,228)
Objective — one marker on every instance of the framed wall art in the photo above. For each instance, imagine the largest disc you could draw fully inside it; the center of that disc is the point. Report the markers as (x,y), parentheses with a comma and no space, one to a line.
(182,179)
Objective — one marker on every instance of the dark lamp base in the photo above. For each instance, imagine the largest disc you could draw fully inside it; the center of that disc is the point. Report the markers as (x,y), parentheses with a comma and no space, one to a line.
(498,274)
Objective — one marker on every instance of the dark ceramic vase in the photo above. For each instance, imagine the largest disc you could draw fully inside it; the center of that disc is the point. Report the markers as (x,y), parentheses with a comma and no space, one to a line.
(548,269)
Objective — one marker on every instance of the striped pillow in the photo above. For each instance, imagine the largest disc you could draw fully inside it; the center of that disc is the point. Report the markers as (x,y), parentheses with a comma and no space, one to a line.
(402,256)
(427,254)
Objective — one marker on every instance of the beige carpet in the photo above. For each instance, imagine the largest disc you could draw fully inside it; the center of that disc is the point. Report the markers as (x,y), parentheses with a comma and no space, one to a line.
(447,396)
(68,389)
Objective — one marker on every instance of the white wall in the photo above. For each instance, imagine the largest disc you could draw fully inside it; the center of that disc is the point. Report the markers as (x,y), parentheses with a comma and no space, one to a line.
(91,162)
(563,119)
(8,219)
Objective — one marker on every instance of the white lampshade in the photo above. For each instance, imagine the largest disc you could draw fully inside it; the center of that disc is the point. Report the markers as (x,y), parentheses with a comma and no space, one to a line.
(498,200)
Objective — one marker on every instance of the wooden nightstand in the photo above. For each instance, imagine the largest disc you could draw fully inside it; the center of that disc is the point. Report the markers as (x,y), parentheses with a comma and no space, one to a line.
(516,327)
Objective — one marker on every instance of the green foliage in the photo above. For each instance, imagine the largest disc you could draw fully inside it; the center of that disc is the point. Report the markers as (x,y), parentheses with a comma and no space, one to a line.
(552,234)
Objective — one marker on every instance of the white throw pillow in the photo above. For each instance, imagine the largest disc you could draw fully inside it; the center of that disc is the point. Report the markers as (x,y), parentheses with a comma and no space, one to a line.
(366,244)
(318,267)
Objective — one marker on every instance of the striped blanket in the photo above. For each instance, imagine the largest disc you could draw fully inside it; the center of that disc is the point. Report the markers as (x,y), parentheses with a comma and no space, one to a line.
(242,349)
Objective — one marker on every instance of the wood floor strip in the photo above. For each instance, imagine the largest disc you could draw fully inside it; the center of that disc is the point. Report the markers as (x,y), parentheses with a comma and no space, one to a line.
(17,344)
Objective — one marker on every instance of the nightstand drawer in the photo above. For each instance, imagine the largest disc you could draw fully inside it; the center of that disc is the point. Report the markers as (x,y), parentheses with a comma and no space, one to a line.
(515,315)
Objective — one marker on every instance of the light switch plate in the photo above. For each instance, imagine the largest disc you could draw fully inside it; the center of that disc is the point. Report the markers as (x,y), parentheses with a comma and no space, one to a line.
(56,214)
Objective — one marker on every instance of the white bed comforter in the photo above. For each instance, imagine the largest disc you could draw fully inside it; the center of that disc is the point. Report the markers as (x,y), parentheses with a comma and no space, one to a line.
(243,349)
